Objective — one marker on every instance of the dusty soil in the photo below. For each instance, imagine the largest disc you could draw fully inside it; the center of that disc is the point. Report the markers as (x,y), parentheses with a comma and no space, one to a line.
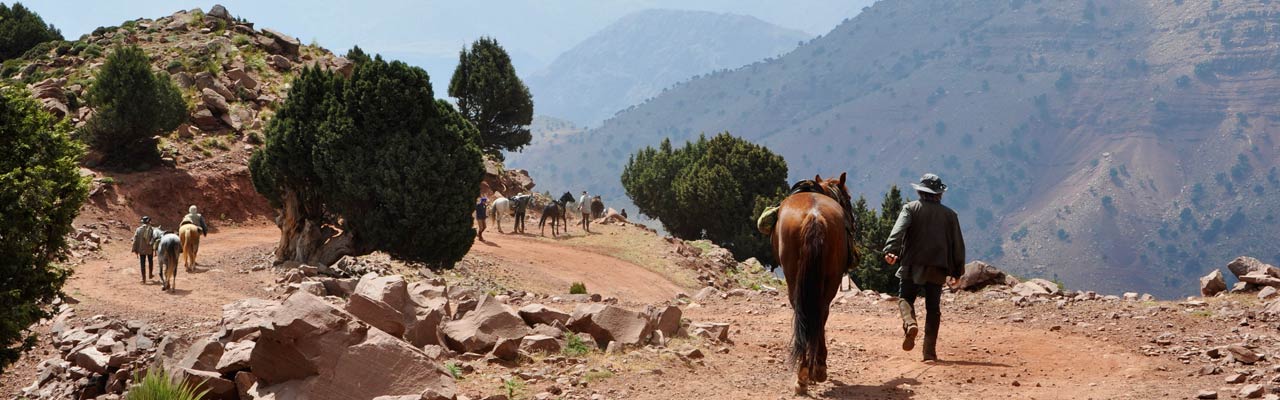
(1084,350)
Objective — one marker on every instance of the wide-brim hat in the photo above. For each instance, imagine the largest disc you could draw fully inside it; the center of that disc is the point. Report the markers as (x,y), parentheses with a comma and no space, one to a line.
(930,183)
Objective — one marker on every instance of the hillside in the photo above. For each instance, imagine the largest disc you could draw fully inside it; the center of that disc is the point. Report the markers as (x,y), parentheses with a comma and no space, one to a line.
(645,52)
(1113,145)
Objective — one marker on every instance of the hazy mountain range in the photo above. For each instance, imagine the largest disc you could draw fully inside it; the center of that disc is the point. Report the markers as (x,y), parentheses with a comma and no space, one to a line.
(1113,145)
(643,53)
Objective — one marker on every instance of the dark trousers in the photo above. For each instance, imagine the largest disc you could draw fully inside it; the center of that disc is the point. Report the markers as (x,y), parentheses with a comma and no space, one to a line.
(519,221)
(586,222)
(146,265)
(908,290)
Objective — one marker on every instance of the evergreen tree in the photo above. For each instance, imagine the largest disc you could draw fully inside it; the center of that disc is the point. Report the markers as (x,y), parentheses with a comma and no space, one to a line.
(131,106)
(709,189)
(21,29)
(375,156)
(872,232)
(40,194)
(492,97)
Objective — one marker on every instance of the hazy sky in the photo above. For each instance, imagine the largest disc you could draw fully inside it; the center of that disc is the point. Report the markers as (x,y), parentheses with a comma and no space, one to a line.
(429,33)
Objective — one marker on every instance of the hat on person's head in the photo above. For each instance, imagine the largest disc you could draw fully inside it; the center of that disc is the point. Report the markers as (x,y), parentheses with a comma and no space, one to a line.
(930,183)
(484,199)
(146,219)
(192,209)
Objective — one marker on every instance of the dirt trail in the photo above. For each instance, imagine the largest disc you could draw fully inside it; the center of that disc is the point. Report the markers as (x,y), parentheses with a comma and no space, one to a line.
(983,358)
(545,266)
(980,360)
(113,284)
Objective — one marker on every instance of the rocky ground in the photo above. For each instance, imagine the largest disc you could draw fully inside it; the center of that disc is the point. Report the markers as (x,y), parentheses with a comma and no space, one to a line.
(1027,341)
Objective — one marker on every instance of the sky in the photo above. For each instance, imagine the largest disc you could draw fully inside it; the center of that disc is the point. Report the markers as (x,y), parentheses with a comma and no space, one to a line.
(429,33)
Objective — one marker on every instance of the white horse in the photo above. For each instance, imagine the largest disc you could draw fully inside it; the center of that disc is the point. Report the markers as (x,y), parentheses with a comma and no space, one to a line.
(499,208)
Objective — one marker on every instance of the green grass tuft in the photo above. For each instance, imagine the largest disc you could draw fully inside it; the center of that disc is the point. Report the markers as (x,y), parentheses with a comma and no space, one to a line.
(156,385)
(578,288)
(574,346)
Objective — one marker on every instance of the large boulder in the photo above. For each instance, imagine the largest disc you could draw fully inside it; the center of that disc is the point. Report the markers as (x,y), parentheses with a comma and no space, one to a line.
(666,320)
(289,45)
(1212,284)
(607,323)
(978,274)
(316,351)
(424,313)
(1250,270)
(203,355)
(534,314)
(380,301)
(219,12)
(540,344)
(245,318)
(213,101)
(217,387)
(1036,287)
(480,329)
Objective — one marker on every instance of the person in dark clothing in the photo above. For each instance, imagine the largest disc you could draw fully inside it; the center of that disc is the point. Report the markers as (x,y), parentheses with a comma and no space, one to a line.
(142,246)
(481,215)
(927,241)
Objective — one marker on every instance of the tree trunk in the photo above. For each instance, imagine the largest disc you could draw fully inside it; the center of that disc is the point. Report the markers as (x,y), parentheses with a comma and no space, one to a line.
(306,239)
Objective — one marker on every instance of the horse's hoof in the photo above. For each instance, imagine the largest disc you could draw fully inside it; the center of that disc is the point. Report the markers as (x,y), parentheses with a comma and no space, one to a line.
(802,389)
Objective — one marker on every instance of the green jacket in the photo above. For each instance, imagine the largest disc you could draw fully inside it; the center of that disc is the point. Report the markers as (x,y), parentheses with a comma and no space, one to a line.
(928,243)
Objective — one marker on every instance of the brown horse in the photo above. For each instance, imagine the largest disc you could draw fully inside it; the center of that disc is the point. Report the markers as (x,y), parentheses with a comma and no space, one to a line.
(811,243)
(190,235)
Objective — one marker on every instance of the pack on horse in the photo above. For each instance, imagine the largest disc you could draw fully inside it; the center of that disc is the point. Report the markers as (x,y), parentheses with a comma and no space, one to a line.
(556,211)
(811,241)
(597,207)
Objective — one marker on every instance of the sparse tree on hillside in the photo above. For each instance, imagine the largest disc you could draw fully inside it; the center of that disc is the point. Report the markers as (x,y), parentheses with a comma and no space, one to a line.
(492,97)
(40,194)
(872,231)
(709,189)
(132,104)
(374,157)
(21,29)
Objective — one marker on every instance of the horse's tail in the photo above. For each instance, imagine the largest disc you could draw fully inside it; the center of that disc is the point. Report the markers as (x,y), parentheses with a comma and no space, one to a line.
(807,298)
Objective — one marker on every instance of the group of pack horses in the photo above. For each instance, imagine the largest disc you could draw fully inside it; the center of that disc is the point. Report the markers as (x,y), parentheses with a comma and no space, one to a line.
(810,241)
(556,211)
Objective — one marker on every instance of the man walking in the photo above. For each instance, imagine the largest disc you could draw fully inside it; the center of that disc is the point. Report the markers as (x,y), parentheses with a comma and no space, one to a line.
(481,215)
(927,240)
(142,246)
(584,207)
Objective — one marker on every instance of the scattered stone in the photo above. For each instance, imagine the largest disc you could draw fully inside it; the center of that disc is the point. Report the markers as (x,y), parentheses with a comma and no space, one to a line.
(479,330)
(1207,394)
(978,274)
(1250,270)
(609,323)
(534,314)
(540,343)
(1212,284)
(710,330)
(1252,391)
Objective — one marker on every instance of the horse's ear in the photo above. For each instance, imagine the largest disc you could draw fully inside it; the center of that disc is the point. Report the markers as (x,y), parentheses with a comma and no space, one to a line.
(842,174)
(817,177)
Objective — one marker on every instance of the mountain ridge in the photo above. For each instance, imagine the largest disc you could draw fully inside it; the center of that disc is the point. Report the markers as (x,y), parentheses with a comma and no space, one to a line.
(1073,134)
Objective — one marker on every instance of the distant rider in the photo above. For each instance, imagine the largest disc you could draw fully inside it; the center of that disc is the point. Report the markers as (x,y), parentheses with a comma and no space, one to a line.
(520,204)
(927,240)
(196,219)
(143,238)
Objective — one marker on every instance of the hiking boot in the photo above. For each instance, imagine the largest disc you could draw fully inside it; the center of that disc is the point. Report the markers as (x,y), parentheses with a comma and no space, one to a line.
(930,347)
(909,328)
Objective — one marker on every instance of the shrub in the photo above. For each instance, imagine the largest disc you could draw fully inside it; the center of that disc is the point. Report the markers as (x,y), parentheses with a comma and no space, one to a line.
(92,51)
(241,39)
(155,384)
(709,189)
(376,156)
(454,370)
(513,387)
(132,105)
(578,288)
(574,346)
(40,194)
